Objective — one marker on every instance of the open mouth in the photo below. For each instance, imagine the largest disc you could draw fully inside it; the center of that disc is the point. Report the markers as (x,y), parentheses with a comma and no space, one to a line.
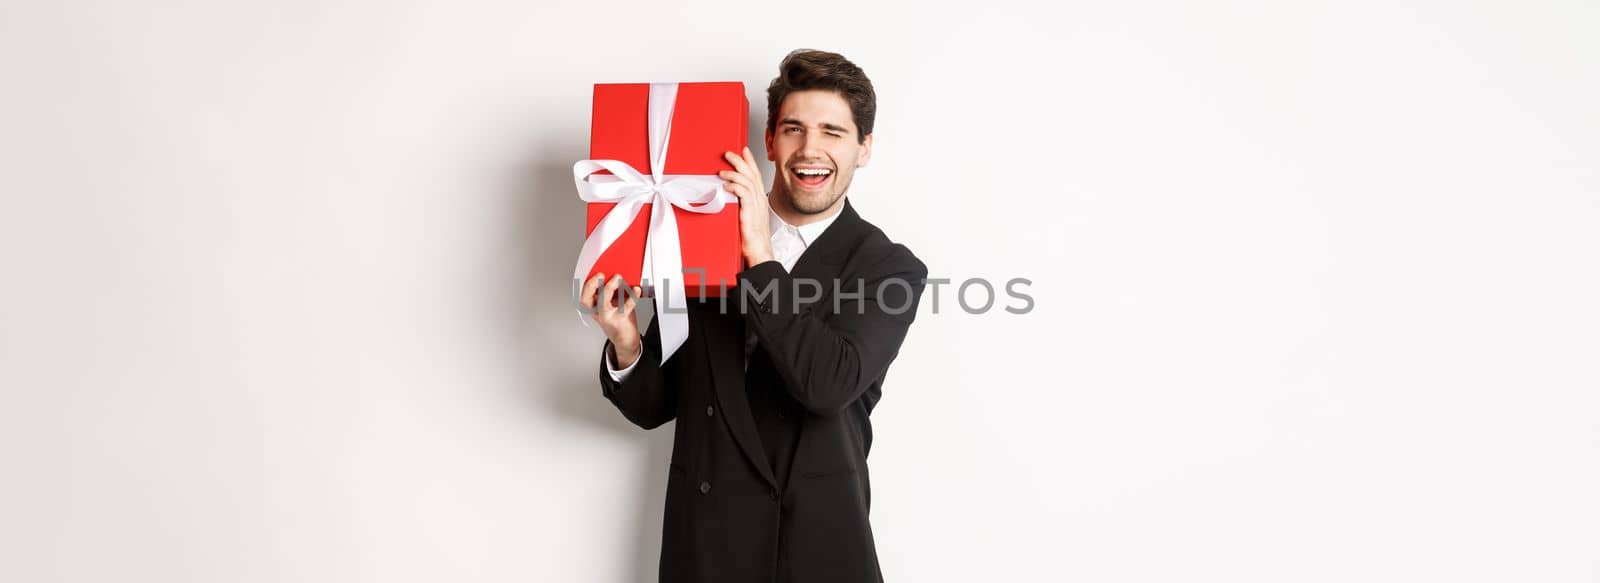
(811,177)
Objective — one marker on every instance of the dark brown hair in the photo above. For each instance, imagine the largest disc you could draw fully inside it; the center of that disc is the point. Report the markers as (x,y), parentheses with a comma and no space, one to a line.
(807,69)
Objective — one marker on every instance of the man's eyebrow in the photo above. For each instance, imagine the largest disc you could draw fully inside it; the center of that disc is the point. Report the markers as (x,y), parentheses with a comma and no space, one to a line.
(789,121)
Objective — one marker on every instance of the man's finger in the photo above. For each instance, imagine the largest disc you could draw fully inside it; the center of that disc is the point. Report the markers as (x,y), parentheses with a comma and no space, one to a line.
(607,294)
(731,176)
(586,297)
(755,170)
(736,177)
(633,298)
(750,160)
(737,162)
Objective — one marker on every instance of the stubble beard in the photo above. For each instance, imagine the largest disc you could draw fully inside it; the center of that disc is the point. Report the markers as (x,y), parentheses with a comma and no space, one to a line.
(817,204)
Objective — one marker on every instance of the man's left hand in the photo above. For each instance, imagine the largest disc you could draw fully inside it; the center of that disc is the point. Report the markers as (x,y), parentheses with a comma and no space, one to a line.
(755,231)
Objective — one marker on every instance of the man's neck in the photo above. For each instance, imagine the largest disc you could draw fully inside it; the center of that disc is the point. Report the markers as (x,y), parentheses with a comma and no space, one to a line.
(780,205)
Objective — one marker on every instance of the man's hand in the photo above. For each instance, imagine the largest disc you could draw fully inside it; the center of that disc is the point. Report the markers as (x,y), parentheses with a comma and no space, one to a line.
(755,231)
(615,319)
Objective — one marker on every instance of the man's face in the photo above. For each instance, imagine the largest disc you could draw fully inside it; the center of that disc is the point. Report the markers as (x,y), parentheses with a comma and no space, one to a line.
(815,151)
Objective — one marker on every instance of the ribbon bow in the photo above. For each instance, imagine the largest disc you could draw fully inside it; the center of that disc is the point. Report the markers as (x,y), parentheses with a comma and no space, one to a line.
(630,190)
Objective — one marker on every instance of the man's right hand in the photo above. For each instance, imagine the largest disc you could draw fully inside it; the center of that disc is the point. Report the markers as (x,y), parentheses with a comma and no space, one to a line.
(616,318)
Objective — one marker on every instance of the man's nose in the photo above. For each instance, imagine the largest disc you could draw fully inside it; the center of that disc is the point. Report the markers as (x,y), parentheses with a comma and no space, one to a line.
(810,146)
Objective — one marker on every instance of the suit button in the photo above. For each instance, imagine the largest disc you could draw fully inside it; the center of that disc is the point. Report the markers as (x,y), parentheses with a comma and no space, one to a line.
(705,487)
(781,415)
(709,410)
(773,494)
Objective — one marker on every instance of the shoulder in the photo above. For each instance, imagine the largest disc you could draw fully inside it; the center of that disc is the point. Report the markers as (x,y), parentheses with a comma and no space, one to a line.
(876,255)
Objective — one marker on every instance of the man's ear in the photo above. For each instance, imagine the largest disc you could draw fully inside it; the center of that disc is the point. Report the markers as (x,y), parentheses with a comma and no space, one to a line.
(769,147)
(866,152)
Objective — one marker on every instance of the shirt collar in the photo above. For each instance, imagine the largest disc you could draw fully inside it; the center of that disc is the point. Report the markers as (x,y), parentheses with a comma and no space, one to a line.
(808,232)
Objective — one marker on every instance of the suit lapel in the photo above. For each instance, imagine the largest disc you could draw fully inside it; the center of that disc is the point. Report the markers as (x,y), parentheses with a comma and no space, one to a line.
(821,261)
(724,338)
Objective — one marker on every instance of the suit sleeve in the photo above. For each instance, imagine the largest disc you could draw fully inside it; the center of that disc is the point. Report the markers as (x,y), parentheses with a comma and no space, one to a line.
(648,395)
(827,365)
(611,362)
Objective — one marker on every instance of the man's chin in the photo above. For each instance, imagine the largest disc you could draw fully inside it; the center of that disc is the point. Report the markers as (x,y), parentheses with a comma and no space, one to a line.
(811,203)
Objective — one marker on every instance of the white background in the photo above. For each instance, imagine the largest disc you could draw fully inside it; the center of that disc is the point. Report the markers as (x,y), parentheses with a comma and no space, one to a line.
(284,289)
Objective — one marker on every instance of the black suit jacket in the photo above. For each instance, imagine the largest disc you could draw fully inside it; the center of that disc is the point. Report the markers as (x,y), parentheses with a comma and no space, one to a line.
(768,480)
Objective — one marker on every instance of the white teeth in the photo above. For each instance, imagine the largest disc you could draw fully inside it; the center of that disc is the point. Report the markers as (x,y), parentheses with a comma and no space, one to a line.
(813,171)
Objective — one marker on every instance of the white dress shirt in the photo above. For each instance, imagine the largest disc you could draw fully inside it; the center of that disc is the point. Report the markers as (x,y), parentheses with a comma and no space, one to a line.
(788,242)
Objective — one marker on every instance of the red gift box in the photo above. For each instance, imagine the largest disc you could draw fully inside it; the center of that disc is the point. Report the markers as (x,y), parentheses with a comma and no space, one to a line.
(707,120)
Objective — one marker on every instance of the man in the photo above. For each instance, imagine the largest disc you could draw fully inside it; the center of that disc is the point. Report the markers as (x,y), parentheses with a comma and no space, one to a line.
(773,388)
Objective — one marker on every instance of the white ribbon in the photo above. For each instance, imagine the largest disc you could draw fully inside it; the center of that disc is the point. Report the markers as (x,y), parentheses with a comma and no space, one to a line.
(630,190)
